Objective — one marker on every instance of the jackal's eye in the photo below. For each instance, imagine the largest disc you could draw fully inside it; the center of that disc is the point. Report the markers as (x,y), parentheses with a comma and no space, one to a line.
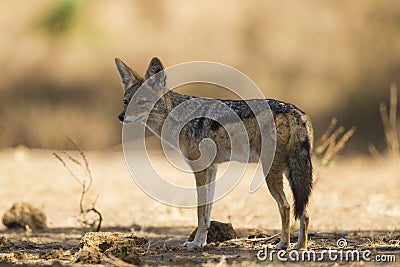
(126,102)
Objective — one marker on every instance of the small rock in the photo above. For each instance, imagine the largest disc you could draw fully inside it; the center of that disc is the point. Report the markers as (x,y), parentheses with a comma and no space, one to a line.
(342,234)
(218,232)
(136,227)
(23,214)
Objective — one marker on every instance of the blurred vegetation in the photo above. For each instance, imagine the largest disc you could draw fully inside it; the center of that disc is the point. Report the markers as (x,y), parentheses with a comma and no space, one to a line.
(58,19)
(332,59)
(391,127)
(331,143)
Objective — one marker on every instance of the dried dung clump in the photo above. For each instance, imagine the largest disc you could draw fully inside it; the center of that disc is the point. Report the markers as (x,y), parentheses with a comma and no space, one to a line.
(96,245)
(218,232)
(23,214)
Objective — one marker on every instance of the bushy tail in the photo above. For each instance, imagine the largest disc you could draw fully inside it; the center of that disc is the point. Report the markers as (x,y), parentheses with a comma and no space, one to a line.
(299,162)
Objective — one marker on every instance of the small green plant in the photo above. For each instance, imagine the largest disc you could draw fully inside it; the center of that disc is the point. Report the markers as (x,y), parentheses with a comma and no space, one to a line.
(86,182)
(390,127)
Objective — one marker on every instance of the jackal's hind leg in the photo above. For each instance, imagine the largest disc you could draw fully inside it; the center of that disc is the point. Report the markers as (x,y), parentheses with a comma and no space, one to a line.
(205,184)
(303,233)
(274,181)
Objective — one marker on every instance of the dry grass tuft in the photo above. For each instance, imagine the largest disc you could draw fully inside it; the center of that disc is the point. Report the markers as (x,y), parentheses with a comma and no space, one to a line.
(331,143)
(86,183)
(390,127)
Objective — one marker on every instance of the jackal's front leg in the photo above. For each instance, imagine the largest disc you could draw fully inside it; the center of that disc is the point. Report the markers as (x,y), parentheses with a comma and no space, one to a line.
(205,184)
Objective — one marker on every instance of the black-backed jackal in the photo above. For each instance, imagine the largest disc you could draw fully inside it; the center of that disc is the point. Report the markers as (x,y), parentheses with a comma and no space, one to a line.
(294,139)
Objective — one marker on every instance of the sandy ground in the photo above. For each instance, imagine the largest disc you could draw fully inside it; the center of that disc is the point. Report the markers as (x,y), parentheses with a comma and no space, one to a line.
(358,196)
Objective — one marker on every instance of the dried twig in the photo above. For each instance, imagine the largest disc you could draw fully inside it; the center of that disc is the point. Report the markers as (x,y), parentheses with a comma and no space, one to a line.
(95,224)
(67,168)
(88,173)
(265,239)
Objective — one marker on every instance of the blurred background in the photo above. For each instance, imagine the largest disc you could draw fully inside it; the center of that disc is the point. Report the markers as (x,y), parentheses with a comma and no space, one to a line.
(57,78)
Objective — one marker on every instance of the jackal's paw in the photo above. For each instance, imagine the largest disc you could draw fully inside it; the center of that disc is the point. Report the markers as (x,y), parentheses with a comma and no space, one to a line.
(192,244)
(282,245)
(300,245)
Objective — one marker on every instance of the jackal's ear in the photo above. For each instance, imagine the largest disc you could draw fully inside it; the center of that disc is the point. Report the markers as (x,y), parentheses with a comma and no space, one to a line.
(128,76)
(155,76)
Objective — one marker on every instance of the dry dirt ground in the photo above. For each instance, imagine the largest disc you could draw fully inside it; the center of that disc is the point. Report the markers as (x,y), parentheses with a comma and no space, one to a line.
(356,199)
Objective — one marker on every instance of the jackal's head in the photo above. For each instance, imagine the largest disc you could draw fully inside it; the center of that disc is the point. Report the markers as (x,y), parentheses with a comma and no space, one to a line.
(140,93)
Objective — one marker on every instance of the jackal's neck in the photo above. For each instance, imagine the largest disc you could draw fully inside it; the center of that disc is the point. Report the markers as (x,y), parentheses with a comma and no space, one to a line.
(161,110)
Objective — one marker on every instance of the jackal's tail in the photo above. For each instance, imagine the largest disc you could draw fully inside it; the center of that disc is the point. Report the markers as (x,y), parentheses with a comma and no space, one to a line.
(299,161)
